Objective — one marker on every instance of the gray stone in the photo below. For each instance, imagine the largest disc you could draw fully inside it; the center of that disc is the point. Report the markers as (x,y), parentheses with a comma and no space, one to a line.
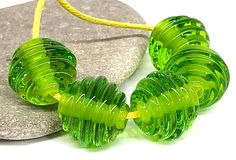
(100,50)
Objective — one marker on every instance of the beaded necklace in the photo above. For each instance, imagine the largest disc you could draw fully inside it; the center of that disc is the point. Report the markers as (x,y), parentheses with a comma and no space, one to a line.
(189,76)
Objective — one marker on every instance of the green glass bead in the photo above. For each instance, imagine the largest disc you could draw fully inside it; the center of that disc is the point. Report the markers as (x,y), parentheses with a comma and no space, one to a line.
(204,69)
(39,68)
(172,34)
(93,111)
(167,105)
(185,40)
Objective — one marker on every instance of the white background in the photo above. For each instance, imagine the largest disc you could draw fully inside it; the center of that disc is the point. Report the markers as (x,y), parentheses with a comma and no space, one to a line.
(213,133)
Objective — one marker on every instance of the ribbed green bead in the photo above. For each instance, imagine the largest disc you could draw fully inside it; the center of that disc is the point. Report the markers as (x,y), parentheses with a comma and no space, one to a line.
(167,105)
(181,44)
(204,69)
(172,34)
(39,68)
(93,111)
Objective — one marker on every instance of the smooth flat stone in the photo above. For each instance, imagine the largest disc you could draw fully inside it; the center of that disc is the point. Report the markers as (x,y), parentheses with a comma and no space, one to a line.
(100,50)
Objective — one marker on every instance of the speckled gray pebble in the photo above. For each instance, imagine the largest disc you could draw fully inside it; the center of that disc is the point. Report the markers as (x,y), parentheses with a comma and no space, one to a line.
(100,50)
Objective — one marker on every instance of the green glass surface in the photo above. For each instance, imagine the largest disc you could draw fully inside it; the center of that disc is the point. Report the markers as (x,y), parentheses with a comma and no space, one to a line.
(172,34)
(39,68)
(181,44)
(204,69)
(93,111)
(167,105)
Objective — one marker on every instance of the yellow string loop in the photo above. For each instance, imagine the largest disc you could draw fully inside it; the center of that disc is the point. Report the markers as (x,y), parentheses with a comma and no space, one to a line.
(37,18)
(67,6)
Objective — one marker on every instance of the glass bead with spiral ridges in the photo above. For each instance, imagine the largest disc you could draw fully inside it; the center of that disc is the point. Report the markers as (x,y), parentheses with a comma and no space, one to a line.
(167,105)
(181,44)
(41,67)
(93,111)
(204,69)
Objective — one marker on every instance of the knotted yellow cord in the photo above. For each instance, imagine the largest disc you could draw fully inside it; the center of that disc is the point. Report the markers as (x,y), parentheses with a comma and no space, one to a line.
(83,16)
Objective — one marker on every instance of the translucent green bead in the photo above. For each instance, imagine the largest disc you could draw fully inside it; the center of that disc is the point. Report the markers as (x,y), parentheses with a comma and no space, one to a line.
(93,111)
(39,68)
(204,69)
(172,34)
(167,105)
(181,44)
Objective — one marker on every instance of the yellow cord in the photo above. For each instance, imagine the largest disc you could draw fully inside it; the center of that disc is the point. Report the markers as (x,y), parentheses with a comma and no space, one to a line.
(37,18)
(133,115)
(67,6)
(56,96)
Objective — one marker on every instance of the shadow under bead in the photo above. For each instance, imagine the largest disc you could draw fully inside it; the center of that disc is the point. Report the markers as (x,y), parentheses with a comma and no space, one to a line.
(41,67)
(167,105)
(93,111)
